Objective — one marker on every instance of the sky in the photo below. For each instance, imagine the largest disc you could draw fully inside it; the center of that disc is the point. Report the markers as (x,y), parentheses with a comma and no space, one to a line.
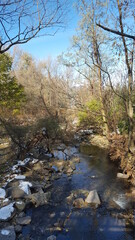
(43,47)
(46,46)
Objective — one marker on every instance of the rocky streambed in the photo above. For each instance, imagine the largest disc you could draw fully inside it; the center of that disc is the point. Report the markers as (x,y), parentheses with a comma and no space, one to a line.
(66,195)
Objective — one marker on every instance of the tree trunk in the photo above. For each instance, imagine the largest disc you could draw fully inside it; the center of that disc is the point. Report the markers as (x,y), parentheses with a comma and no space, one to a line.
(131,140)
(102,103)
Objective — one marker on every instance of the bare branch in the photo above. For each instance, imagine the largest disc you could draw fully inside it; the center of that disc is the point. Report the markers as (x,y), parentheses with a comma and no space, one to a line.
(116,32)
(22,20)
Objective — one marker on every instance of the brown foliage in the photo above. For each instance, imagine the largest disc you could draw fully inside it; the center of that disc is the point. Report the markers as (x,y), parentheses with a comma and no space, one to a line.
(118,147)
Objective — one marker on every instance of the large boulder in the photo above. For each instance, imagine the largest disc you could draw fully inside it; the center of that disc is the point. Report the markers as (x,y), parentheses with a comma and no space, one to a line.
(7,233)
(93,198)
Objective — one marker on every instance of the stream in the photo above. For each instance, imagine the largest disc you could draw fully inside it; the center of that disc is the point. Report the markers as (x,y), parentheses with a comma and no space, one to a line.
(64,221)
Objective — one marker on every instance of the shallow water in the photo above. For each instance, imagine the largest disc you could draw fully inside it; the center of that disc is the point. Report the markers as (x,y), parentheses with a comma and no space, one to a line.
(93,172)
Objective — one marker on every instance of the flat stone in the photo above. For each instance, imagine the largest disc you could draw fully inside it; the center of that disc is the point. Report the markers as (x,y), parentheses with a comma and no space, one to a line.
(20,177)
(2,193)
(24,220)
(93,198)
(6,212)
(7,233)
(122,175)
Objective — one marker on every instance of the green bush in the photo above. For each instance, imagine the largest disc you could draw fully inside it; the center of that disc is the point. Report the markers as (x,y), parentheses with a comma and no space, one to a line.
(11,93)
(91,114)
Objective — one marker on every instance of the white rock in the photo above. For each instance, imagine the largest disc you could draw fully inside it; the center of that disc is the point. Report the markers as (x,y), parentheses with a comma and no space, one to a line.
(25,186)
(93,198)
(20,177)
(2,193)
(6,200)
(6,212)
(120,200)
(5,232)
(122,175)
(34,161)
(14,167)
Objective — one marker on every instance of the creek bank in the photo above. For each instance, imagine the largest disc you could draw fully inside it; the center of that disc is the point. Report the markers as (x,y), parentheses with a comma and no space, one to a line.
(30,182)
(39,181)
(116,149)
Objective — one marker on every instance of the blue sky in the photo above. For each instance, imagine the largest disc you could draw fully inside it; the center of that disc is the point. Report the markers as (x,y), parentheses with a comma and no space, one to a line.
(45,46)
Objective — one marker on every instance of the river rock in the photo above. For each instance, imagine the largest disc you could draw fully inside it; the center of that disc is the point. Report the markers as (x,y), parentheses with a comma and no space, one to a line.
(122,175)
(55,168)
(18,228)
(52,237)
(6,213)
(20,205)
(93,198)
(7,233)
(13,183)
(40,198)
(24,220)
(15,193)
(69,170)
(61,147)
(69,199)
(70,151)
(113,205)
(20,177)
(59,155)
(78,203)
(2,193)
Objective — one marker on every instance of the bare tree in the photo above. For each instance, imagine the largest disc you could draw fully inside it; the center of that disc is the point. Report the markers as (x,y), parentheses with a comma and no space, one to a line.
(22,20)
